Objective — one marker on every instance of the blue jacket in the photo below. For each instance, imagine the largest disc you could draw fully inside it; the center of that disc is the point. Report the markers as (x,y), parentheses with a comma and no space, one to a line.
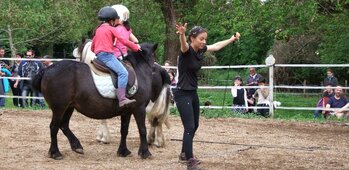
(5,80)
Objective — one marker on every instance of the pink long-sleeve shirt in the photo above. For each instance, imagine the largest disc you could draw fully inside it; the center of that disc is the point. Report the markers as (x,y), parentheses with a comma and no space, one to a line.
(104,39)
(119,46)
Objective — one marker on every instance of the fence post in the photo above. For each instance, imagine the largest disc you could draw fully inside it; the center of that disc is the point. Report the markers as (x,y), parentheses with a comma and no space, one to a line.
(270,61)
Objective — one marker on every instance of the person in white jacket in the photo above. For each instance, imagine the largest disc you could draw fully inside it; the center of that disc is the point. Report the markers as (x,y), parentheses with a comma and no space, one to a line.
(240,101)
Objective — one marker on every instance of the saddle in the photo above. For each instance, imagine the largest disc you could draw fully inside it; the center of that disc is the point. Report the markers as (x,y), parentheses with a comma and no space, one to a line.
(104,78)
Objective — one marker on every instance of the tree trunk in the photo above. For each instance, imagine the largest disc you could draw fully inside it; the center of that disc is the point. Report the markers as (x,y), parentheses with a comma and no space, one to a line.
(11,43)
(172,46)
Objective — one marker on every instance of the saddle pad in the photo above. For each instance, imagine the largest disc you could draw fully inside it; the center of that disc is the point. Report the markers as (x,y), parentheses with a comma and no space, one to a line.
(104,85)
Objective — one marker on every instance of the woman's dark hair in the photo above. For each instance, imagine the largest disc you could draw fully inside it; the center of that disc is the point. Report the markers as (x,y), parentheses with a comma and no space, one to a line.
(262,80)
(195,31)
(238,78)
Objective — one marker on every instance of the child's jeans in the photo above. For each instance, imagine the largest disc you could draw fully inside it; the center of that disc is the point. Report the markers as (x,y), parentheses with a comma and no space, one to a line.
(110,61)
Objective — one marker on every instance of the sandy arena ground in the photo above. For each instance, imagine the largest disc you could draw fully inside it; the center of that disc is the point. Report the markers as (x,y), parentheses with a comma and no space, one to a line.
(219,143)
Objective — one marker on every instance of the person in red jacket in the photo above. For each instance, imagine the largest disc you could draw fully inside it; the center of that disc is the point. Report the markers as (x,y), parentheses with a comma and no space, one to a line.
(102,46)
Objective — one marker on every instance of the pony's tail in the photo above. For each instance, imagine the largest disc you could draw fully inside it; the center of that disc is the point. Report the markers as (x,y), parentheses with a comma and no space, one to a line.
(161,108)
(36,80)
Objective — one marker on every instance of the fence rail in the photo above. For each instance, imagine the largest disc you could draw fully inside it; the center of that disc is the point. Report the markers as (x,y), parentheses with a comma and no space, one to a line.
(271,85)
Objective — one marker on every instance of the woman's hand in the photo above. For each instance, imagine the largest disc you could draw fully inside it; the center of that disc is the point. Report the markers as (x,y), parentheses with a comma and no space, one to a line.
(181,28)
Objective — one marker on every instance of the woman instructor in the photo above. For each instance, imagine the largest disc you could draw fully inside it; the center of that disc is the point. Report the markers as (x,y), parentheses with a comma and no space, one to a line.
(185,95)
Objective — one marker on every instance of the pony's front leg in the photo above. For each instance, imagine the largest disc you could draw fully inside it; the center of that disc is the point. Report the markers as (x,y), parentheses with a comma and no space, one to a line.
(125,122)
(140,119)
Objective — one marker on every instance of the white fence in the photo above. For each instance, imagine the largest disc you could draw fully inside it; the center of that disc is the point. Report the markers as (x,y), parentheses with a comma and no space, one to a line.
(271,86)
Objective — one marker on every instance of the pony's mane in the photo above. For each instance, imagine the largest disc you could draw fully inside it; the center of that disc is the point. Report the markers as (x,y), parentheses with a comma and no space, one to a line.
(142,56)
(84,41)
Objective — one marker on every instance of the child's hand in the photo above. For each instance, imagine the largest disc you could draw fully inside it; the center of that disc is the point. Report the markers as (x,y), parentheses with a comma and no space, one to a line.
(181,28)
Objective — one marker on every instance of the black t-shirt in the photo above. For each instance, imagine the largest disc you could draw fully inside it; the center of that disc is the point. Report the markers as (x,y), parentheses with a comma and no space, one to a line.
(188,68)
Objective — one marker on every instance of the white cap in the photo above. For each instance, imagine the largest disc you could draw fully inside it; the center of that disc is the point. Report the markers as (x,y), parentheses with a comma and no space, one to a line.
(122,11)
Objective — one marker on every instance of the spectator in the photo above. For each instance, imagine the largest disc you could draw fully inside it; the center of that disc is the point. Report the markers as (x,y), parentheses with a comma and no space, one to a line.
(330,79)
(47,62)
(167,64)
(327,93)
(337,101)
(172,75)
(239,94)
(262,95)
(28,69)
(16,91)
(252,80)
(4,84)
(4,63)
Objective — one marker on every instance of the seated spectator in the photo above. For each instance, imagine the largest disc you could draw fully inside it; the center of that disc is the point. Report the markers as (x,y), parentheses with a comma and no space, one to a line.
(262,95)
(327,93)
(240,101)
(330,79)
(252,80)
(337,101)
(167,64)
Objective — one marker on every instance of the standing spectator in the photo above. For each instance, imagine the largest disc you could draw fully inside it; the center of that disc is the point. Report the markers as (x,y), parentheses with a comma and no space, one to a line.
(252,80)
(327,93)
(167,64)
(4,84)
(28,69)
(4,63)
(239,96)
(172,75)
(16,91)
(330,79)
(263,100)
(338,100)
(185,95)
(48,61)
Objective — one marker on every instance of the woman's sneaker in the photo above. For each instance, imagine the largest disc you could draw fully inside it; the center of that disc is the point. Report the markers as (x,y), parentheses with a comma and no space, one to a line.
(192,164)
(183,158)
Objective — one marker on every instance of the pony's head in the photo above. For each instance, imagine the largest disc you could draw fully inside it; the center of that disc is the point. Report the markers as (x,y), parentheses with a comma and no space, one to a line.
(145,56)
(78,53)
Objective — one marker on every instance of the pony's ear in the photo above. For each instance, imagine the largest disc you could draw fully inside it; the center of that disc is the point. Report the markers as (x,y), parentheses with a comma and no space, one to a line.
(155,47)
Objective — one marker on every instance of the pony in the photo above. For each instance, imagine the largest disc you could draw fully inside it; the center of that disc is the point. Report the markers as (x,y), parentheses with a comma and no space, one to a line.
(68,85)
(157,110)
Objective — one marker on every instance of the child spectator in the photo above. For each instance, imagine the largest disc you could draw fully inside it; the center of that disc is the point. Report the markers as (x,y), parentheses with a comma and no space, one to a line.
(327,93)
(262,95)
(240,102)
(330,79)
(171,73)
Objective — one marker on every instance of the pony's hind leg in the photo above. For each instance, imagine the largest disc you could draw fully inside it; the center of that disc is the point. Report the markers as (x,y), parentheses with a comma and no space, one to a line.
(54,127)
(160,139)
(125,121)
(103,134)
(73,140)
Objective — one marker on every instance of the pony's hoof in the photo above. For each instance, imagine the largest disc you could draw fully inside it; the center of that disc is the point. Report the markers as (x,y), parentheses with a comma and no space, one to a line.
(145,155)
(57,156)
(124,153)
(79,150)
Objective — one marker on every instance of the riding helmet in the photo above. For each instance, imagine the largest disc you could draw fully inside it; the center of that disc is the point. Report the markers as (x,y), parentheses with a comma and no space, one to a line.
(122,11)
(107,13)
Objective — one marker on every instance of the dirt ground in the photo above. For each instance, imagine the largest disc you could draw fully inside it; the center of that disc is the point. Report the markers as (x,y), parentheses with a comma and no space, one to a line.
(220,144)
